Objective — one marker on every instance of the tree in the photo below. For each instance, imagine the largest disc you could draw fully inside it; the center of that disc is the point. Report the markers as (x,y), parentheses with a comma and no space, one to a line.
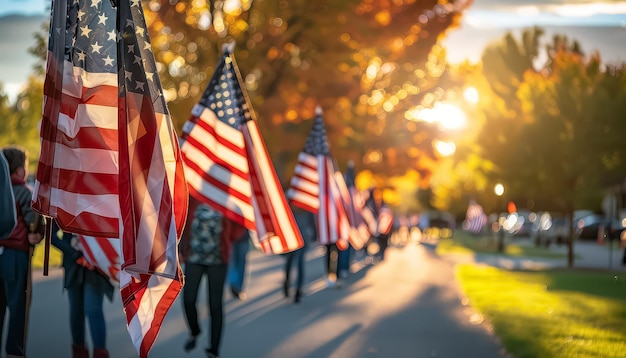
(559,134)
(365,62)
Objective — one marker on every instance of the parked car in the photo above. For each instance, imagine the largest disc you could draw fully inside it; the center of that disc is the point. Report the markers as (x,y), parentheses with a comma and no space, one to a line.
(588,227)
(550,229)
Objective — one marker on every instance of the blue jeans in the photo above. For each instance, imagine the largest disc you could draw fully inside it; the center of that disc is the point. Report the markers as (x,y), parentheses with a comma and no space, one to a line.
(86,302)
(237,263)
(343,262)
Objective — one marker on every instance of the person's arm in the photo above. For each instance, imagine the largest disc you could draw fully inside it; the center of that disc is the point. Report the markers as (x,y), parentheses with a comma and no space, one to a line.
(23,197)
(185,237)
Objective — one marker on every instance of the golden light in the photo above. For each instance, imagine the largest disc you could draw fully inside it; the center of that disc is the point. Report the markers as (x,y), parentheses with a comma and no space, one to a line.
(471,95)
(445,149)
(446,115)
(499,189)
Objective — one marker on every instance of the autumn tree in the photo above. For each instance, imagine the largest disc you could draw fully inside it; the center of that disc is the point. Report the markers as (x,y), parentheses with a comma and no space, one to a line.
(365,62)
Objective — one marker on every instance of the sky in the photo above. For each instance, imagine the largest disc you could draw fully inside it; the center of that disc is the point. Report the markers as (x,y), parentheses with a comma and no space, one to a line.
(597,25)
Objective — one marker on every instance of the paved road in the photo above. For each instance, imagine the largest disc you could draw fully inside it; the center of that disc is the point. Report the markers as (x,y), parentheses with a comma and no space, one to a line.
(407,306)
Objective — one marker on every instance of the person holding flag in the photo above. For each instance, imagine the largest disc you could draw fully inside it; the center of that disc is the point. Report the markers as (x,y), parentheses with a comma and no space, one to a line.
(86,288)
(314,188)
(16,253)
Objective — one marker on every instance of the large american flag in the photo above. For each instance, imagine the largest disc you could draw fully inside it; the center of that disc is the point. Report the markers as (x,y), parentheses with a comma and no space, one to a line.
(110,164)
(227,165)
(314,187)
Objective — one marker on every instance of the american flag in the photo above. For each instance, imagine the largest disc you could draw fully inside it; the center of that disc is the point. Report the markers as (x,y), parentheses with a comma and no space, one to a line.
(110,164)
(227,165)
(314,187)
(475,218)
(379,217)
(104,254)
(359,232)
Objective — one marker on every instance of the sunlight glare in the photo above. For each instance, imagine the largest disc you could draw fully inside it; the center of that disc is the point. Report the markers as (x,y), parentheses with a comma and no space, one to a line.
(471,95)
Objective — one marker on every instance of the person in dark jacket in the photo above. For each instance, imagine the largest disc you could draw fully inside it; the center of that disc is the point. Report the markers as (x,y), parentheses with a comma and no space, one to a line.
(86,288)
(16,255)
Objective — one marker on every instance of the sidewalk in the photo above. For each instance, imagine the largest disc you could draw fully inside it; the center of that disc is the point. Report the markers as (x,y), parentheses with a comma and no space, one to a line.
(588,255)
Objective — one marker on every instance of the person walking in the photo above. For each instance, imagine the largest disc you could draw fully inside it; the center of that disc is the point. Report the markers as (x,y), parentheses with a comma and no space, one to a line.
(16,254)
(205,252)
(86,288)
(306,223)
(237,265)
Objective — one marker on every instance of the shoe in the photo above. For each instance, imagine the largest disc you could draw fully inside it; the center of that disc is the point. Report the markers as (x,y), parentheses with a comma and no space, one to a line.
(330,283)
(190,344)
(296,298)
(210,354)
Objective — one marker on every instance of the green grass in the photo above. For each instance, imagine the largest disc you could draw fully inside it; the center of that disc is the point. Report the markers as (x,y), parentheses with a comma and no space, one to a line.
(464,243)
(552,313)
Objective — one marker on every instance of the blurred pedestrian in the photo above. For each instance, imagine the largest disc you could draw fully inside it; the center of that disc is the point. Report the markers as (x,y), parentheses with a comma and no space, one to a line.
(205,252)
(16,254)
(86,288)
(237,265)
(8,216)
(306,224)
(384,220)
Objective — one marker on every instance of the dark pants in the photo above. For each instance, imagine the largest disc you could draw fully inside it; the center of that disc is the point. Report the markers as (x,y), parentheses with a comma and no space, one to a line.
(216,275)
(13,284)
(237,263)
(332,256)
(86,302)
(298,257)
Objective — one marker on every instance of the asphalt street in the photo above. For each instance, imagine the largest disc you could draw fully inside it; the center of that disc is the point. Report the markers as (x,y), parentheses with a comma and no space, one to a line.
(406,306)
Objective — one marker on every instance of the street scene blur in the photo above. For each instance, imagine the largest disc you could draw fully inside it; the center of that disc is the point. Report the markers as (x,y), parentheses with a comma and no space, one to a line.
(240,178)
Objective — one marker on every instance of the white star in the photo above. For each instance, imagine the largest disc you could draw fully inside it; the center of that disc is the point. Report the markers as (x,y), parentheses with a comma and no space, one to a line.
(108,61)
(131,48)
(85,30)
(150,76)
(139,85)
(140,30)
(147,46)
(95,3)
(81,56)
(102,19)
(112,35)
(95,47)
(129,23)
(128,75)
(80,14)
(137,60)
(134,3)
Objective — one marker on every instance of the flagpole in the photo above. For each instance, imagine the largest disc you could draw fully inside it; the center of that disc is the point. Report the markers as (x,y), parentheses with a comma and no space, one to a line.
(244,92)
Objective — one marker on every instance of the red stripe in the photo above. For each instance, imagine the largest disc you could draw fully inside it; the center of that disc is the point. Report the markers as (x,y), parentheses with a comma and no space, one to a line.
(80,224)
(91,138)
(208,178)
(87,183)
(304,206)
(228,213)
(220,138)
(222,162)
(159,315)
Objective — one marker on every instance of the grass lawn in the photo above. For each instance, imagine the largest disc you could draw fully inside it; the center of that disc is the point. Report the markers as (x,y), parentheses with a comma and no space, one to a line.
(561,313)
(462,242)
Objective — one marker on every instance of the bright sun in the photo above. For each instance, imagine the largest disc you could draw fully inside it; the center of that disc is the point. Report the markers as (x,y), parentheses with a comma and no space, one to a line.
(446,115)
